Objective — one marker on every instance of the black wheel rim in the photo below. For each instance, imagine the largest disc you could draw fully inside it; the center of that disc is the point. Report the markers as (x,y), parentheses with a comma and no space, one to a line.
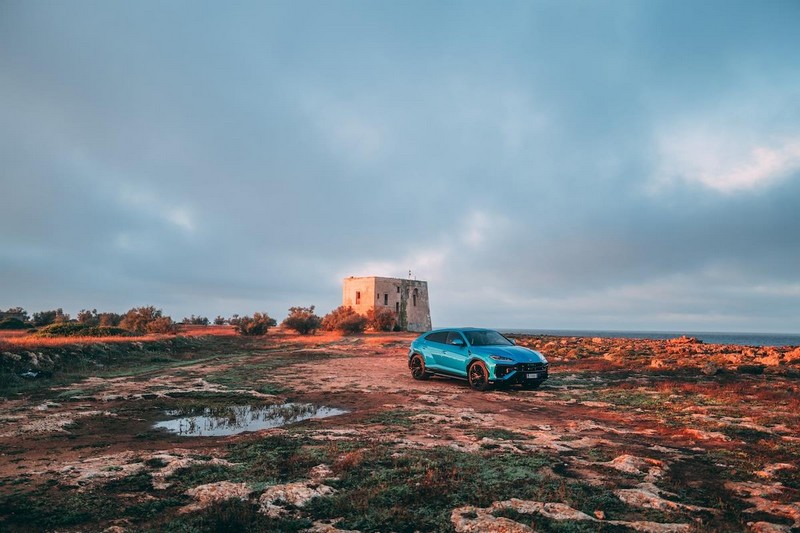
(416,367)
(477,377)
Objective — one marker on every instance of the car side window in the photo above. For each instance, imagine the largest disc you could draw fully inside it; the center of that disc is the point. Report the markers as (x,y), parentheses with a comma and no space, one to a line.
(439,336)
(453,335)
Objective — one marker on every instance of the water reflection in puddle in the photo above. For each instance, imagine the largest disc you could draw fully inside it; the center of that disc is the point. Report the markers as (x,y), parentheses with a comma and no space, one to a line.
(234,419)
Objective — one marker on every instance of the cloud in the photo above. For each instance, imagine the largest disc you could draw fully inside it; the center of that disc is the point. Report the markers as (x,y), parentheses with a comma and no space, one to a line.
(724,164)
(248,159)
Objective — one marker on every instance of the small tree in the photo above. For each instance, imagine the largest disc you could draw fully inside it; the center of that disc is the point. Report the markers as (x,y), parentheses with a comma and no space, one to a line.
(219,321)
(88,317)
(162,324)
(302,320)
(381,319)
(344,319)
(234,320)
(15,312)
(196,321)
(138,318)
(45,318)
(13,322)
(258,324)
(109,319)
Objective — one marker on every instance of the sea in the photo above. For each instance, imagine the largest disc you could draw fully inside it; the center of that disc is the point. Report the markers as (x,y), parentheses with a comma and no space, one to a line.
(741,339)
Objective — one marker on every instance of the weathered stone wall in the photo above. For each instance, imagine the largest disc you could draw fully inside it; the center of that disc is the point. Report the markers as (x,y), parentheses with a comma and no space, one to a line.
(408,298)
(365,286)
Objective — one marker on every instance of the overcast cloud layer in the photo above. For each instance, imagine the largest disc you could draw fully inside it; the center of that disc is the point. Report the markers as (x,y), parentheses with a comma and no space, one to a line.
(621,165)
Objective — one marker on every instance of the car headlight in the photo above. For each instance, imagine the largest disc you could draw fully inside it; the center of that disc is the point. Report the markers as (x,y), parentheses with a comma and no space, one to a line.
(501,358)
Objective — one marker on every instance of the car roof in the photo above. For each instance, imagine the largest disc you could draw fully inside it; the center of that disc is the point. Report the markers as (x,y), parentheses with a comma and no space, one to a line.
(460,329)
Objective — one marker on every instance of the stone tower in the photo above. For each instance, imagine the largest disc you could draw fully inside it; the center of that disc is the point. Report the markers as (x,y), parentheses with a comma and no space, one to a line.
(406,297)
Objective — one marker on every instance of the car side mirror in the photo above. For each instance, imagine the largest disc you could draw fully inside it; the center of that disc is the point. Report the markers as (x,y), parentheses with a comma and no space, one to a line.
(457,342)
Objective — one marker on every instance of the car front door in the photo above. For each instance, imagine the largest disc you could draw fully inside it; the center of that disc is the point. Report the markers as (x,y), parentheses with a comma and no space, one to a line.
(435,346)
(456,353)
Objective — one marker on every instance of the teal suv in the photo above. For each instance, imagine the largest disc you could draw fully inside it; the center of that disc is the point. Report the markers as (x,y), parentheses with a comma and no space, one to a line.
(483,357)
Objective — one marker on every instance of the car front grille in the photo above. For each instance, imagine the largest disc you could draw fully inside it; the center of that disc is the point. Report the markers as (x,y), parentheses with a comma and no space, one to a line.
(530,367)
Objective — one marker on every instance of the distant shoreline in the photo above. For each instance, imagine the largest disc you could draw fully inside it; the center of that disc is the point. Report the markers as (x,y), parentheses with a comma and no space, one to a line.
(739,339)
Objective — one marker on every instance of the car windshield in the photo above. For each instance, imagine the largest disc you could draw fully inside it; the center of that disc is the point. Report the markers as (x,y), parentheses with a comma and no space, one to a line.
(486,337)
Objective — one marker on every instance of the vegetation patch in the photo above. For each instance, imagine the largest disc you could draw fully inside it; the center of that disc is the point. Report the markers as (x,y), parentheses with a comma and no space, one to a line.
(76,329)
(498,434)
(393,417)
(417,490)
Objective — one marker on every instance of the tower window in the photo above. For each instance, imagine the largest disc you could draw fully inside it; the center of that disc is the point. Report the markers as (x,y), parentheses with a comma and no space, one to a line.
(358,297)
(385,299)
(397,307)
(414,298)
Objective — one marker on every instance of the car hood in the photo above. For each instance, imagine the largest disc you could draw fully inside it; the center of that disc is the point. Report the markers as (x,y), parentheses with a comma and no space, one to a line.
(517,353)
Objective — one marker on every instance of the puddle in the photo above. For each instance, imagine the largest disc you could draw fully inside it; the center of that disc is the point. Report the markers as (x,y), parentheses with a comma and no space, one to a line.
(235,419)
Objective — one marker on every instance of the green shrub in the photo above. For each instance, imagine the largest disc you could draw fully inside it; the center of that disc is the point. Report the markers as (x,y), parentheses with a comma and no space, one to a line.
(109,319)
(13,323)
(344,319)
(45,318)
(88,317)
(381,319)
(302,320)
(15,312)
(162,324)
(196,321)
(258,324)
(147,320)
(76,329)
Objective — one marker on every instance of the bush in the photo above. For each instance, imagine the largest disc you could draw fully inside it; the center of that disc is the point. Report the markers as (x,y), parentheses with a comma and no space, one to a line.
(13,323)
(88,317)
(15,312)
(163,324)
(381,319)
(196,321)
(139,319)
(302,320)
(258,324)
(76,329)
(109,319)
(45,318)
(220,321)
(344,319)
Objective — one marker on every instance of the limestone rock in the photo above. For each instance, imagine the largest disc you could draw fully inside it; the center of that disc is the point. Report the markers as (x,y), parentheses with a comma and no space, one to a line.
(274,500)
(211,493)
(768,527)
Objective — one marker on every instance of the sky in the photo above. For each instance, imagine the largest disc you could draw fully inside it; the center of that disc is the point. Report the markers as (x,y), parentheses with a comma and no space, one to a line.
(542,164)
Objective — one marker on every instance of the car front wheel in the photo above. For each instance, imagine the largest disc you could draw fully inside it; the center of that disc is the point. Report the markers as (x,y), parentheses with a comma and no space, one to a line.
(478,376)
(417,365)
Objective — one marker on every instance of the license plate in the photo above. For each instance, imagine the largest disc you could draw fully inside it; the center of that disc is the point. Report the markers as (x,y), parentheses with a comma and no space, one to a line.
(531,376)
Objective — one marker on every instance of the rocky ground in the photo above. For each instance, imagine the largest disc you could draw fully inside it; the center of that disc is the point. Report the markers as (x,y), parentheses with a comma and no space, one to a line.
(654,436)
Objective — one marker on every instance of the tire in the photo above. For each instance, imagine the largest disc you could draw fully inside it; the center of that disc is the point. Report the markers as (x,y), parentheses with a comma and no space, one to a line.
(478,376)
(417,365)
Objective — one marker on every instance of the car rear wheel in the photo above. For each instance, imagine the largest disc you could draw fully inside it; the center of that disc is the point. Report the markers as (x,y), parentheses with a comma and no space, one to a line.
(478,376)
(417,365)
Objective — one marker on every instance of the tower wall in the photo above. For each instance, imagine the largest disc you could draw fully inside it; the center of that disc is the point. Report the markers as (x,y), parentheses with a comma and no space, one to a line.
(408,298)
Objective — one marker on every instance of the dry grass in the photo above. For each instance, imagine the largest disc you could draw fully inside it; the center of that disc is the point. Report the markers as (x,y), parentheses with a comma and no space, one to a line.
(201,331)
(22,339)
(30,341)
